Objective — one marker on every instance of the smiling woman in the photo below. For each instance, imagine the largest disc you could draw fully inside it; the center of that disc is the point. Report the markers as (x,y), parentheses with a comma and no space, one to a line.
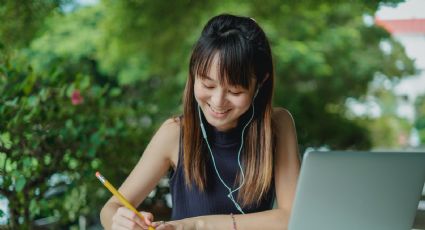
(230,151)
(222,104)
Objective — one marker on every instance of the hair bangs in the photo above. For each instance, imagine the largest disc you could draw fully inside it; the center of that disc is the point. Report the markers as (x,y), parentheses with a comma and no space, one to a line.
(202,61)
(234,62)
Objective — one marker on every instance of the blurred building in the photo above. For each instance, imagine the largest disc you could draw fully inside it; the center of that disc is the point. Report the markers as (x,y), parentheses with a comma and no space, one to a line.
(411,33)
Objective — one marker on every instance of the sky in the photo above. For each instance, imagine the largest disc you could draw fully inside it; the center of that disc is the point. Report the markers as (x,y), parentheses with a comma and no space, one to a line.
(408,9)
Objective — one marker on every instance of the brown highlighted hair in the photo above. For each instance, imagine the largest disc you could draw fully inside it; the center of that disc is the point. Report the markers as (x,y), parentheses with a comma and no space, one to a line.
(244,53)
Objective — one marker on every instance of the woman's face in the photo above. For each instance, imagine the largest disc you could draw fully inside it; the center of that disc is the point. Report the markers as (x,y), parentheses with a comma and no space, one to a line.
(222,105)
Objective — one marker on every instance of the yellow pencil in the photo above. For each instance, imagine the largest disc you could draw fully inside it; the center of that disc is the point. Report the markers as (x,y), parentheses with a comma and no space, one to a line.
(120,197)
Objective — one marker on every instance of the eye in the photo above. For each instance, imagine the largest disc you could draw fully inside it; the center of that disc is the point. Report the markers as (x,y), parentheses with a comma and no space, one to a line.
(236,93)
(207,86)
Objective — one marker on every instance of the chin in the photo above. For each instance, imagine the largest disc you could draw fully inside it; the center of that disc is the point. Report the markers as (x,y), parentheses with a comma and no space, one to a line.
(221,124)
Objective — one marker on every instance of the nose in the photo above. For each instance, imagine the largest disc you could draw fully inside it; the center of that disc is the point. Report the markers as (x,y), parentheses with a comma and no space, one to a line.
(218,98)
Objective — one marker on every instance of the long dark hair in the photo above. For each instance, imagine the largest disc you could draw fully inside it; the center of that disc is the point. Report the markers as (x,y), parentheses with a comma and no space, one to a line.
(244,53)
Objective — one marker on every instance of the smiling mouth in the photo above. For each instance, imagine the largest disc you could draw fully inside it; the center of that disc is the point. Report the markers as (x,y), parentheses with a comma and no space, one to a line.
(218,111)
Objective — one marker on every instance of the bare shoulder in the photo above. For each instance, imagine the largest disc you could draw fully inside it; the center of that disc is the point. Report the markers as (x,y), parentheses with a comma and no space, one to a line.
(168,133)
(170,127)
(168,137)
(172,124)
(282,118)
(279,113)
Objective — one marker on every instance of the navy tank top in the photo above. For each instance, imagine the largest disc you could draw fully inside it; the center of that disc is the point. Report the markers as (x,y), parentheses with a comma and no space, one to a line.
(192,202)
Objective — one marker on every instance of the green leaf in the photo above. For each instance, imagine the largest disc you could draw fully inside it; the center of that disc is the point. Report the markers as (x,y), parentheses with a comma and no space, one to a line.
(26,162)
(73,163)
(115,92)
(12,103)
(69,90)
(34,162)
(44,94)
(47,159)
(29,82)
(83,82)
(33,101)
(3,157)
(34,207)
(69,124)
(95,164)
(20,184)
(10,166)
(5,140)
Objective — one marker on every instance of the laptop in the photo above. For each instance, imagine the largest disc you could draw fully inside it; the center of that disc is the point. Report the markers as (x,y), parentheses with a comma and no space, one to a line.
(358,191)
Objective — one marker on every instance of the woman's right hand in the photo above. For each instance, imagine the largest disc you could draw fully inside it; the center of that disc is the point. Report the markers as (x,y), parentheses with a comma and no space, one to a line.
(124,218)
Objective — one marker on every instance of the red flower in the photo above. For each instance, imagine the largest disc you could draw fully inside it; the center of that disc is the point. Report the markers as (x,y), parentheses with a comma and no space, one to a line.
(76,97)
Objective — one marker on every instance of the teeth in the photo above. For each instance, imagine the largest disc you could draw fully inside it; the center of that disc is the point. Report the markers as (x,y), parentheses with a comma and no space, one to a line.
(221,112)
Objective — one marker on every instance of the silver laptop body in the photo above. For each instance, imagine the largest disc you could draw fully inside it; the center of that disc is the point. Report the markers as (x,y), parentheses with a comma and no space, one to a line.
(358,191)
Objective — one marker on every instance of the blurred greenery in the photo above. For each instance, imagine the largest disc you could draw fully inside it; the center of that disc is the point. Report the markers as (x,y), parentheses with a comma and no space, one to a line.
(420,117)
(47,132)
(83,88)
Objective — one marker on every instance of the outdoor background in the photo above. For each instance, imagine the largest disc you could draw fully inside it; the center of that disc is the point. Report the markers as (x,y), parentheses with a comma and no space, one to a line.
(85,84)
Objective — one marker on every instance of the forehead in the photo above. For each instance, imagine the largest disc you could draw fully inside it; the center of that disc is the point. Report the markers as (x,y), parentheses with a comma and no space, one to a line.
(214,69)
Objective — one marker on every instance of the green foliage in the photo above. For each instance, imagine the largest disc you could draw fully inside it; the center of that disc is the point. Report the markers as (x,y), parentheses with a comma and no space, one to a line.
(420,117)
(66,126)
(22,19)
(152,40)
(319,65)
(69,37)
(388,132)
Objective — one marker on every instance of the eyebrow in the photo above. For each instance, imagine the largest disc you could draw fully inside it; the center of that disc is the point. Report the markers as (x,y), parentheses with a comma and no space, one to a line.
(234,86)
(207,77)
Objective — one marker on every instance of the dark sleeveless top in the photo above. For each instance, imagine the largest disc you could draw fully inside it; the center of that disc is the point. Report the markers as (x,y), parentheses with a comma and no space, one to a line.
(192,202)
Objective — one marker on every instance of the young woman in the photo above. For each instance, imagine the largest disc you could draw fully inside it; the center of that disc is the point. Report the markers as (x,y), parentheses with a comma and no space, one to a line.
(232,154)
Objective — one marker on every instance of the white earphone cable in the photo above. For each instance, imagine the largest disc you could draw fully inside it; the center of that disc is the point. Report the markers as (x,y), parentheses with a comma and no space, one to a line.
(204,134)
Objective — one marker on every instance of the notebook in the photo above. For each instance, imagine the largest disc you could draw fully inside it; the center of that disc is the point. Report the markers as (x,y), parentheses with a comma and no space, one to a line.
(358,190)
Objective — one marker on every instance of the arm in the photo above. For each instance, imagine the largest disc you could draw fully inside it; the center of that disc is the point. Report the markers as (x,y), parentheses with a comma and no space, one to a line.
(287,166)
(153,164)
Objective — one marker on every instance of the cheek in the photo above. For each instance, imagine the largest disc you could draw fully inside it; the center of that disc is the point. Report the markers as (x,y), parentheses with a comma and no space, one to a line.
(243,102)
(200,94)
(247,102)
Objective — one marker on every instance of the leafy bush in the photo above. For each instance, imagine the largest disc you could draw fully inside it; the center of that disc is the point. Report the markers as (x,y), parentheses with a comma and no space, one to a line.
(56,131)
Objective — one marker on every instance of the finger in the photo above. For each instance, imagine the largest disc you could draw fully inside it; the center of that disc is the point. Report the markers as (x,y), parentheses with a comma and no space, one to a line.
(124,225)
(168,226)
(123,211)
(116,226)
(128,224)
(175,225)
(159,227)
(148,217)
(157,223)
(162,227)
(126,213)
